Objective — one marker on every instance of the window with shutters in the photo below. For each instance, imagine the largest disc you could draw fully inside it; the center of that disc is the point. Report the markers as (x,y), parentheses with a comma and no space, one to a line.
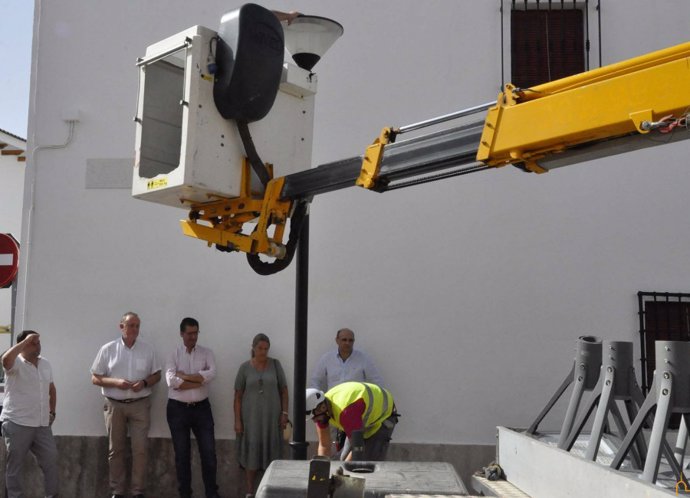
(663,316)
(545,40)
(546,45)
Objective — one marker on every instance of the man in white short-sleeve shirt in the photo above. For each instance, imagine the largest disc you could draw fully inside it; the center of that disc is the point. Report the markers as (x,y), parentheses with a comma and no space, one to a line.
(28,412)
(126,369)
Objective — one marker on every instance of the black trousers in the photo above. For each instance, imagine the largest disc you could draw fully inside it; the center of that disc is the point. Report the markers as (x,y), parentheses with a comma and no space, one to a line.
(197,418)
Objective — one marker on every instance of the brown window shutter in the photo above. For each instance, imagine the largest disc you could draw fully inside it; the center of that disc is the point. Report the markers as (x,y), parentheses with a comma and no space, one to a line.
(546,45)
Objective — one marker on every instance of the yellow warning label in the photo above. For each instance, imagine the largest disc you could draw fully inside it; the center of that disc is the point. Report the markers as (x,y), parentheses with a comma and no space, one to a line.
(154,184)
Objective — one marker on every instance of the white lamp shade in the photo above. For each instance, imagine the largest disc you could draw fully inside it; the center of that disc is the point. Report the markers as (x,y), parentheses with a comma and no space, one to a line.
(308,38)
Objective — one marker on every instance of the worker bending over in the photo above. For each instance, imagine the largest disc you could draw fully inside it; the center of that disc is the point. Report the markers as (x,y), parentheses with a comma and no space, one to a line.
(354,406)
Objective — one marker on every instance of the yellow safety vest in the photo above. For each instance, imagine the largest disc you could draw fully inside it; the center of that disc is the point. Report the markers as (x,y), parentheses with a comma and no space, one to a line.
(377,400)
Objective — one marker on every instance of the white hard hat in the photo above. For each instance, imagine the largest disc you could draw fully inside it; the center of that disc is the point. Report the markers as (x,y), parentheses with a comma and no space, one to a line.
(314,398)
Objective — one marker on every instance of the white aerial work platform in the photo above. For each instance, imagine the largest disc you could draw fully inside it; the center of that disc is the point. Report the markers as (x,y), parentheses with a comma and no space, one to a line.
(186,152)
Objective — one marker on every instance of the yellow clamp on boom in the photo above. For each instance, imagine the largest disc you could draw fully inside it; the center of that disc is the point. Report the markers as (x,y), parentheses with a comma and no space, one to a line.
(220,221)
(371,164)
(612,101)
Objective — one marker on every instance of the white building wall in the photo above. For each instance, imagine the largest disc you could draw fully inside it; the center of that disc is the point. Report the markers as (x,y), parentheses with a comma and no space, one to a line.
(469,293)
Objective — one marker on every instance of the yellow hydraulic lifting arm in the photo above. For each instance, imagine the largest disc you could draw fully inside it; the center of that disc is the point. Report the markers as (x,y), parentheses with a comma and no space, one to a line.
(631,97)
(606,111)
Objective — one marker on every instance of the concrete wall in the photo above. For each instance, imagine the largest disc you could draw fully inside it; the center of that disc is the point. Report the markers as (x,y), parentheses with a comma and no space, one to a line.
(469,293)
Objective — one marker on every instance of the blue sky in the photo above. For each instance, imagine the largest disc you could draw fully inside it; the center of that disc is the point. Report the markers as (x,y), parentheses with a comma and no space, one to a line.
(16,26)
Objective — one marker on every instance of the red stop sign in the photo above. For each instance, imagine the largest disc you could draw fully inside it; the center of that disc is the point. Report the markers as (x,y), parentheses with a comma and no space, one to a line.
(9,259)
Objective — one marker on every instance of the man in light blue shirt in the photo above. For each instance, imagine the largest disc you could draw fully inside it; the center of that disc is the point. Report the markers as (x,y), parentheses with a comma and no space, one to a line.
(344,364)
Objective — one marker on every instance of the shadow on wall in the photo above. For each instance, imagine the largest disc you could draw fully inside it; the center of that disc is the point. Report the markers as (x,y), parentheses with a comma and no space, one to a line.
(84,466)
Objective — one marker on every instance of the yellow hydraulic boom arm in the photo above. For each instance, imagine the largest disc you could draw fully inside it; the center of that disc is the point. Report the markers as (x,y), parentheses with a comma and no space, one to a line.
(628,98)
(641,102)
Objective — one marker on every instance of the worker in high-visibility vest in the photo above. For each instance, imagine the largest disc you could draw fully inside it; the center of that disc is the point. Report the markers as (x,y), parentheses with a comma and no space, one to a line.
(354,406)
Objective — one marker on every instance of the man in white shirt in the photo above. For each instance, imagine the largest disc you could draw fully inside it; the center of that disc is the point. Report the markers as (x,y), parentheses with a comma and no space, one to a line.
(188,371)
(126,369)
(344,364)
(28,412)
